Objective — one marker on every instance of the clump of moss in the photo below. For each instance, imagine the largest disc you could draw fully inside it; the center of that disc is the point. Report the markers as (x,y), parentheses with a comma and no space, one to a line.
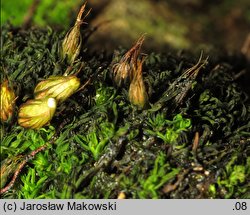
(103,145)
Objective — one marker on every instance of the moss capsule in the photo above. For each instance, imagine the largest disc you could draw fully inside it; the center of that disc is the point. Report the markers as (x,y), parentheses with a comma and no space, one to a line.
(7,101)
(36,113)
(122,71)
(72,42)
(58,87)
(137,90)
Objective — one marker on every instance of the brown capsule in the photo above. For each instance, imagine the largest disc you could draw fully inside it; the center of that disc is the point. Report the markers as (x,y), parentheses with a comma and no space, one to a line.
(36,113)
(137,90)
(7,101)
(72,42)
(122,71)
(58,87)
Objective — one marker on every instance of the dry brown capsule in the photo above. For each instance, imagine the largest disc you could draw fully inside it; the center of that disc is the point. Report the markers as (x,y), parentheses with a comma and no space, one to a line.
(122,71)
(36,113)
(72,42)
(58,87)
(7,101)
(137,90)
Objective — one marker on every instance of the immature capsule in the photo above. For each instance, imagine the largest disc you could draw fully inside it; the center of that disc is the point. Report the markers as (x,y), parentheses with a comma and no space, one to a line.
(7,101)
(58,87)
(36,113)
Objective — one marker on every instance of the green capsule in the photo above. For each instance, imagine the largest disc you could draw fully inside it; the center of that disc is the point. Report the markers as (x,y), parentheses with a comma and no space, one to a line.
(7,101)
(58,87)
(36,113)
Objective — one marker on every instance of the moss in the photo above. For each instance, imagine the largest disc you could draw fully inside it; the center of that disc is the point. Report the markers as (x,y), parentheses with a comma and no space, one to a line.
(15,13)
(98,141)
(48,12)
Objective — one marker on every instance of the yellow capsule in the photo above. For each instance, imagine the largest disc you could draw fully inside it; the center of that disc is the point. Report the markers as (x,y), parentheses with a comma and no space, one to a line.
(72,42)
(58,87)
(36,113)
(137,90)
(7,101)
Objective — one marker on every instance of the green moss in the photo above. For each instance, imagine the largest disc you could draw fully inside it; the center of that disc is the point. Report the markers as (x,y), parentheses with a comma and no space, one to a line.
(174,128)
(14,11)
(234,176)
(55,12)
(159,176)
(48,12)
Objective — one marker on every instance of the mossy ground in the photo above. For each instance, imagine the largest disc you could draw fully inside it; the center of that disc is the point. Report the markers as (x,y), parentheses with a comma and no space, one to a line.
(104,146)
